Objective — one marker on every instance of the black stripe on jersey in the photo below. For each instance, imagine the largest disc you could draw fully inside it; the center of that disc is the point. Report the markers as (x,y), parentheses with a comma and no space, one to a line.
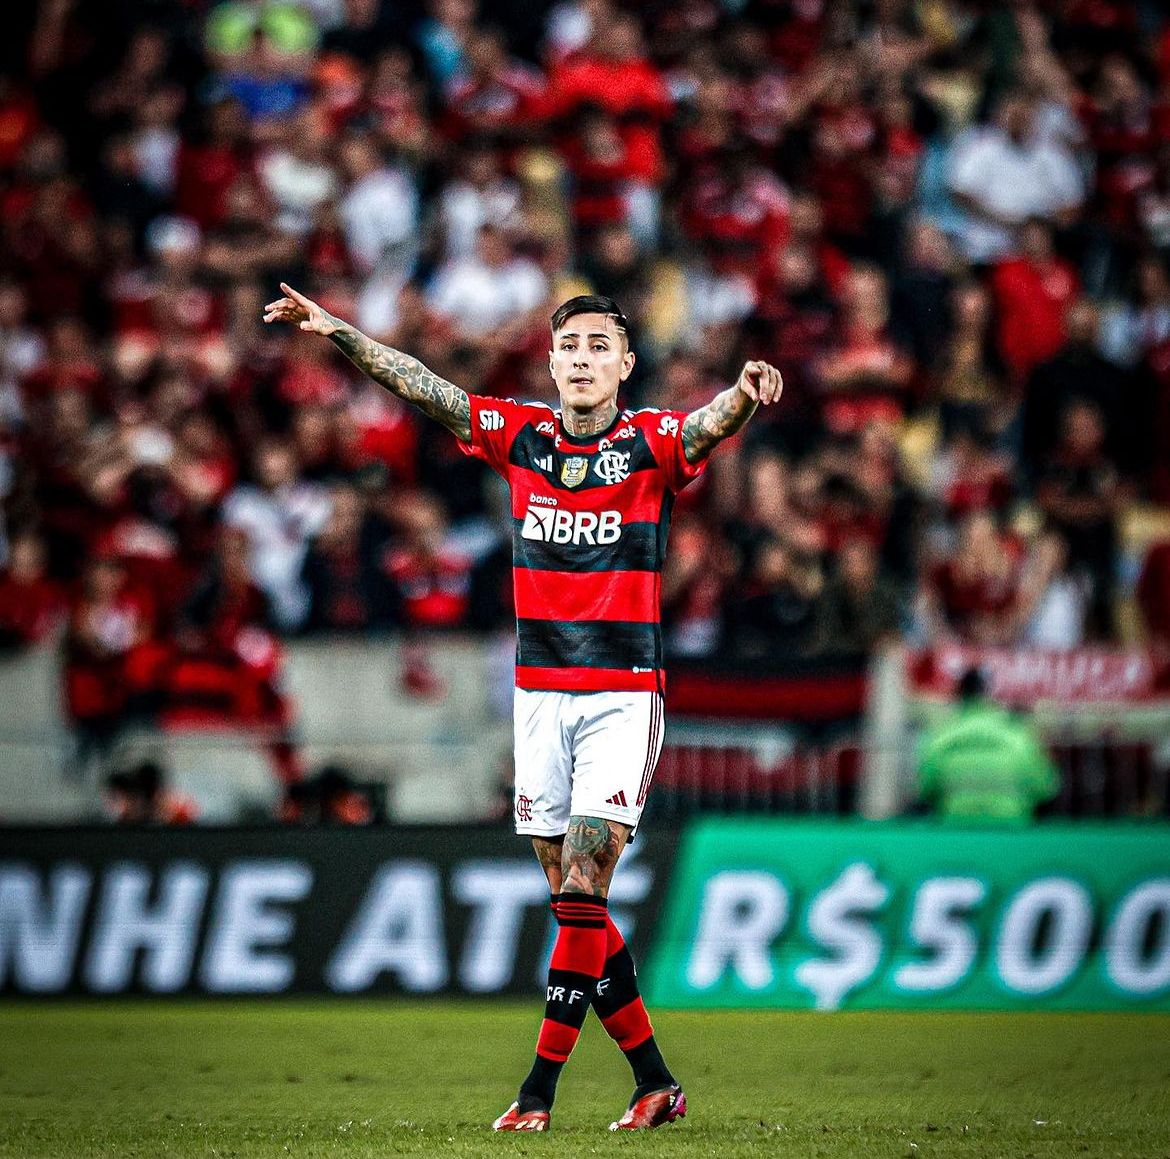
(529,448)
(586,644)
(638,549)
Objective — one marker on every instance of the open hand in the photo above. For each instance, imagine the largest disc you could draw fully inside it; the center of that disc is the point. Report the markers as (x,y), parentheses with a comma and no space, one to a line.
(296,308)
(761,382)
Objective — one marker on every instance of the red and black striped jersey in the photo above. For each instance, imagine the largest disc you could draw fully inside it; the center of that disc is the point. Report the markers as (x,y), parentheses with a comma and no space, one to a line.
(590,517)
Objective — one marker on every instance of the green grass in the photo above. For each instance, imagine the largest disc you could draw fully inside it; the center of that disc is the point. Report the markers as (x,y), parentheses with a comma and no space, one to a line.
(381,1079)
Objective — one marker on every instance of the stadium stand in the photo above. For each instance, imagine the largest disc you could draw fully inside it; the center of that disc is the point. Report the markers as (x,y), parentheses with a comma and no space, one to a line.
(948,223)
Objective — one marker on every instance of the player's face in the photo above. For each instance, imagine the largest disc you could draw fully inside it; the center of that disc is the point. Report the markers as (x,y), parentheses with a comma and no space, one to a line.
(589,361)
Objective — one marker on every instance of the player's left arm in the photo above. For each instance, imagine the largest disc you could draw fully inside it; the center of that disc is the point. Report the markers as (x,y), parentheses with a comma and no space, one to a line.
(758,383)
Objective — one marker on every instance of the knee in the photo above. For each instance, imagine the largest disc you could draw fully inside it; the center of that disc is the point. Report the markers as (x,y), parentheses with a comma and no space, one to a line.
(589,855)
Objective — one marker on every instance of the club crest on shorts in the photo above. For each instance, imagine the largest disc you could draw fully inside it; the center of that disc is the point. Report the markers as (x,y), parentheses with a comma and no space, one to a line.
(573,470)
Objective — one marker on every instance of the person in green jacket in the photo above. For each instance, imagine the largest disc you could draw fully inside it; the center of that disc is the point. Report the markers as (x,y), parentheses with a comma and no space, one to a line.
(983,765)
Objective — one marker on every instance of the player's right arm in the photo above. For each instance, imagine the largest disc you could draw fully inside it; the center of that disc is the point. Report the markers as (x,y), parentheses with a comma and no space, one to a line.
(399,373)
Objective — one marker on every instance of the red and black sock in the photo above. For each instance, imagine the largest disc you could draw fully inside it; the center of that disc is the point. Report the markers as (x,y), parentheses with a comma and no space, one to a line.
(577,960)
(622,1012)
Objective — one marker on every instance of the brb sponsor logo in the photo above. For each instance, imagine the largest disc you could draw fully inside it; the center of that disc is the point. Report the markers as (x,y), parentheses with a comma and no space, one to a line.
(559,526)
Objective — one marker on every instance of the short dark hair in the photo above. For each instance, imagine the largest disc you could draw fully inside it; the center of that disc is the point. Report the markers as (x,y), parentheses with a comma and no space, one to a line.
(972,684)
(591,304)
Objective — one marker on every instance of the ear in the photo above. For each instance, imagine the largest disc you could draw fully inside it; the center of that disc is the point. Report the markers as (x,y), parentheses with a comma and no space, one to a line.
(627,364)
(550,365)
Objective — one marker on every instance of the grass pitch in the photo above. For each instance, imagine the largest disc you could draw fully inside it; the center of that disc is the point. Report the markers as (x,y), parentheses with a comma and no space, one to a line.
(382,1079)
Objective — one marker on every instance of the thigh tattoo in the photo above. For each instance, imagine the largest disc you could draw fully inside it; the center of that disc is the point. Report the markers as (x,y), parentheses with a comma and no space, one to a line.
(590,853)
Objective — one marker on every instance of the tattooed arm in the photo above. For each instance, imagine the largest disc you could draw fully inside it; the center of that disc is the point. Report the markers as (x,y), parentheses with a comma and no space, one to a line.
(728,411)
(399,373)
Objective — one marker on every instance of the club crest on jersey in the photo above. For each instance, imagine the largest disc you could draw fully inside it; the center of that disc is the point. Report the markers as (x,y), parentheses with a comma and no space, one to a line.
(612,466)
(573,470)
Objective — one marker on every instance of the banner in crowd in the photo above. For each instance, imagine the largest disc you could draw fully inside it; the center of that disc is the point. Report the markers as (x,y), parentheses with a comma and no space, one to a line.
(269,911)
(913,916)
(1026,676)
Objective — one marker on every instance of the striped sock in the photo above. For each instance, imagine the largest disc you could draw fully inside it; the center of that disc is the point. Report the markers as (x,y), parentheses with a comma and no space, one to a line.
(619,1005)
(577,959)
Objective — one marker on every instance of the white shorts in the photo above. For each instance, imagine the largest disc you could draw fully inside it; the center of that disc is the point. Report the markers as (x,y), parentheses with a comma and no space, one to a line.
(584,754)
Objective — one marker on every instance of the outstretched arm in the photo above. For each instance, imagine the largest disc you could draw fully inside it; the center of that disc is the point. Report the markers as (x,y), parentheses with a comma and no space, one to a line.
(399,373)
(729,410)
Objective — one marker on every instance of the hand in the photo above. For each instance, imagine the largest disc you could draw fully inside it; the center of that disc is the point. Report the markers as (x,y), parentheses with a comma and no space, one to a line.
(295,307)
(761,382)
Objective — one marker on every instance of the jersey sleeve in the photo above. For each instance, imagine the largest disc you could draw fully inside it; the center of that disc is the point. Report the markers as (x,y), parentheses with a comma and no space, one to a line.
(495,422)
(663,433)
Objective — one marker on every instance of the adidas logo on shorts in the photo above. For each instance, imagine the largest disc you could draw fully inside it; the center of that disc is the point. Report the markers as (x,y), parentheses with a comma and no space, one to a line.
(618,799)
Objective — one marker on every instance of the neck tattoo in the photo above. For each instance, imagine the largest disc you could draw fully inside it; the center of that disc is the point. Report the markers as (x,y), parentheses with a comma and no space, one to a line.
(591,422)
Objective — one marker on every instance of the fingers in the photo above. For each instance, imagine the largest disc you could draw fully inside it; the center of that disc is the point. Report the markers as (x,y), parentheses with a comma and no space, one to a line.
(749,380)
(297,297)
(771,386)
(761,382)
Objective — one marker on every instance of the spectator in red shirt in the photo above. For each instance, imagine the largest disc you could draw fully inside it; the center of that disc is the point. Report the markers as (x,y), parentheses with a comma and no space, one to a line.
(973,594)
(597,158)
(1032,294)
(19,121)
(1123,131)
(348,591)
(70,364)
(794,323)
(208,168)
(109,622)
(972,475)
(737,212)
(433,582)
(844,143)
(615,73)
(694,584)
(496,96)
(865,374)
(395,103)
(226,666)
(31,604)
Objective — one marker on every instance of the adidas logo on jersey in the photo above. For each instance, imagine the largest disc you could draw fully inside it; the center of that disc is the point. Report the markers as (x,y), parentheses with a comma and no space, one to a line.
(544,462)
(560,526)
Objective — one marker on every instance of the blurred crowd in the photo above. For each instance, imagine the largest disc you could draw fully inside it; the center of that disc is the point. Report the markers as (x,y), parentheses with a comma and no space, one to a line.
(946,221)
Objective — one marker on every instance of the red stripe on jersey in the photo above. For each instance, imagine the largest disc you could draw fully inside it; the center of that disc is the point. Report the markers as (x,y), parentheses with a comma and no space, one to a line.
(587,595)
(638,497)
(587,679)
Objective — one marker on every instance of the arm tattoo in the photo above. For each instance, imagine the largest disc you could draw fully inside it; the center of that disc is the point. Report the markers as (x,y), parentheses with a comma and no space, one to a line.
(713,423)
(589,857)
(406,377)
